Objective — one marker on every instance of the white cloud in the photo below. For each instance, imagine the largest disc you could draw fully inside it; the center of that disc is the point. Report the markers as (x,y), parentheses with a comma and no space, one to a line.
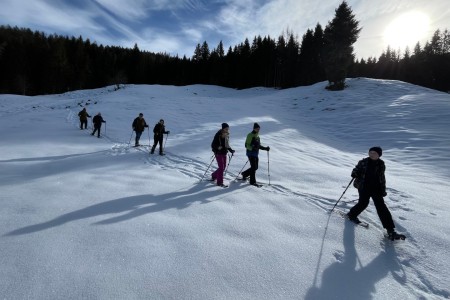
(110,22)
(192,34)
(47,16)
(129,10)
(142,9)
(246,19)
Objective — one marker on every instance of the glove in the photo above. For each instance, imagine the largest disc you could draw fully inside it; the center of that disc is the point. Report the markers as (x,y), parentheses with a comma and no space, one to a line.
(146,126)
(267,148)
(231,150)
(384,194)
(168,131)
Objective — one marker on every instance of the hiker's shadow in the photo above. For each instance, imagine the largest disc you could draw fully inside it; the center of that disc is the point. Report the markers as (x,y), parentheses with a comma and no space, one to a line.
(129,207)
(348,279)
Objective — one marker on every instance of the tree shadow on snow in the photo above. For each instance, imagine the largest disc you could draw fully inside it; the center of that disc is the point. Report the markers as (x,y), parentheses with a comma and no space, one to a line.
(130,207)
(345,280)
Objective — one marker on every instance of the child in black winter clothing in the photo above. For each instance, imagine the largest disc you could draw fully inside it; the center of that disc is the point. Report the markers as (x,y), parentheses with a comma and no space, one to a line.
(371,183)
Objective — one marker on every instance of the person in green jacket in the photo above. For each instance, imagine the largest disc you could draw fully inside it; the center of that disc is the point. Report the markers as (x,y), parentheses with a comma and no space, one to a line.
(253,145)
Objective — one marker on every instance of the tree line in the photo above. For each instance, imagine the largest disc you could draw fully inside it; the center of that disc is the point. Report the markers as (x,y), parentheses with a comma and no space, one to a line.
(34,63)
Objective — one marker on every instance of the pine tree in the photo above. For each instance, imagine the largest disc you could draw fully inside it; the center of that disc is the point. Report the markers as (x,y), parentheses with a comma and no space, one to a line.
(339,36)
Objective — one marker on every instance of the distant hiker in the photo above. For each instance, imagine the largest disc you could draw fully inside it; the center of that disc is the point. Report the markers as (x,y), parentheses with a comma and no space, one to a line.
(371,182)
(253,145)
(220,146)
(83,114)
(97,120)
(158,137)
(139,126)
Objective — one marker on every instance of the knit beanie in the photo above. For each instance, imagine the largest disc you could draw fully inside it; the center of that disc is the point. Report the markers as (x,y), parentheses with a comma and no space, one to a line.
(225,125)
(377,149)
(256,125)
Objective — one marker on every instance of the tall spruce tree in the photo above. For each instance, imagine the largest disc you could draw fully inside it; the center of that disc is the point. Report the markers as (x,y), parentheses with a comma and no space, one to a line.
(339,36)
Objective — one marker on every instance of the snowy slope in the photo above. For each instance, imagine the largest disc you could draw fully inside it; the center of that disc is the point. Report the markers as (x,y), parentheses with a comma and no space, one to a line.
(88,218)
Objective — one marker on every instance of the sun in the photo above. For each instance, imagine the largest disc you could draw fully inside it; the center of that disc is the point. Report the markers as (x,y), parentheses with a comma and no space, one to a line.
(406,30)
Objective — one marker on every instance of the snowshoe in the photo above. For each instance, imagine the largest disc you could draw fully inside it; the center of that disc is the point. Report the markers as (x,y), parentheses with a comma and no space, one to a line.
(354,220)
(256,184)
(392,235)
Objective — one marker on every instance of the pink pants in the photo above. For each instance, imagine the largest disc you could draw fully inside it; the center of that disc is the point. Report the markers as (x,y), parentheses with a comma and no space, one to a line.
(221,163)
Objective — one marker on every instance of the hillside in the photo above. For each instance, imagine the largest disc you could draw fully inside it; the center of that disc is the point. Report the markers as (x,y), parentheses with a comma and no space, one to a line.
(88,218)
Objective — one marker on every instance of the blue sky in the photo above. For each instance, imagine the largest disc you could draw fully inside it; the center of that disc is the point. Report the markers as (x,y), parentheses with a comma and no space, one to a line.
(177,26)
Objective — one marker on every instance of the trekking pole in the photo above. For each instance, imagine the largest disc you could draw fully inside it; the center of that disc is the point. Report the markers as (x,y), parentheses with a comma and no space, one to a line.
(129,142)
(241,170)
(148,133)
(165,141)
(342,194)
(268,166)
(208,167)
(229,161)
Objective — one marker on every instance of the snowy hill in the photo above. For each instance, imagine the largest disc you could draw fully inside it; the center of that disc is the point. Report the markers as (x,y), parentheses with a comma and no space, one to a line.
(89,218)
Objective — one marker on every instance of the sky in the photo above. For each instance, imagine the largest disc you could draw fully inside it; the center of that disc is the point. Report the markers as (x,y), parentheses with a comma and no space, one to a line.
(92,218)
(177,26)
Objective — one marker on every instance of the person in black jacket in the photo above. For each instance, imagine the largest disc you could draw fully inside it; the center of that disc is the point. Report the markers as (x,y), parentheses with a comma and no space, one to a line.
(220,146)
(139,126)
(371,183)
(97,120)
(158,137)
(83,114)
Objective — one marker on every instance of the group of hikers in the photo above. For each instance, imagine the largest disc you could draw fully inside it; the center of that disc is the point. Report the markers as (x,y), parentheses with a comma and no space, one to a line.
(97,121)
(220,146)
(159,130)
(368,175)
(138,126)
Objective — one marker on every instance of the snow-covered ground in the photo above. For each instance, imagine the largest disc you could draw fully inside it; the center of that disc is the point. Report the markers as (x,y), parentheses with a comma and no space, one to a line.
(89,218)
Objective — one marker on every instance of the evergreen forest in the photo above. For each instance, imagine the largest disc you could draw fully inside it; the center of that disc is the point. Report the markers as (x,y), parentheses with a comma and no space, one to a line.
(33,63)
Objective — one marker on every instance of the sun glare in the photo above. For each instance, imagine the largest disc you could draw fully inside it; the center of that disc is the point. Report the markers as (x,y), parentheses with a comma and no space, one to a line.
(406,30)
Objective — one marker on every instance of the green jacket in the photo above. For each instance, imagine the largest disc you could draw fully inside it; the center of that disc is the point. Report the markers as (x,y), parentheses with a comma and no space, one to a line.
(252,144)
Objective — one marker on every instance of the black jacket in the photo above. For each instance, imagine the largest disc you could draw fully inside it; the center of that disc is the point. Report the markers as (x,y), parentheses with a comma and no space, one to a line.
(98,120)
(139,124)
(159,129)
(369,176)
(219,145)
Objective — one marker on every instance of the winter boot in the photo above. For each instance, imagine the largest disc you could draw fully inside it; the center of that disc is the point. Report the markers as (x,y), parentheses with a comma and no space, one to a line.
(353,219)
(153,150)
(392,235)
